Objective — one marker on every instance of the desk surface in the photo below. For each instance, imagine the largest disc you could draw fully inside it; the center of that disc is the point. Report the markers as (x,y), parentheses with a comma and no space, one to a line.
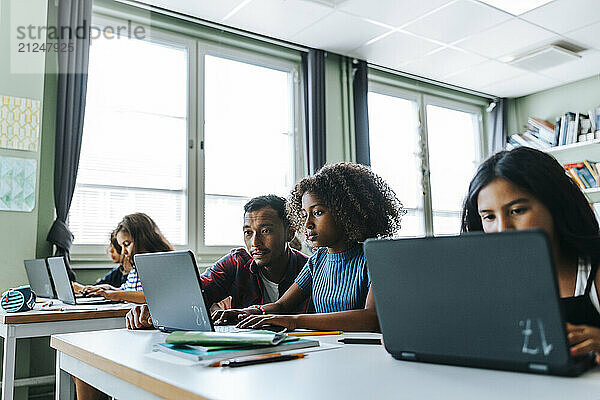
(69,313)
(352,371)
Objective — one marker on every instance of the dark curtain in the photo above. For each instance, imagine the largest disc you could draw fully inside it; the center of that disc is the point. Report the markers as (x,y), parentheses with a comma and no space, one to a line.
(70,110)
(497,127)
(313,70)
(360,90)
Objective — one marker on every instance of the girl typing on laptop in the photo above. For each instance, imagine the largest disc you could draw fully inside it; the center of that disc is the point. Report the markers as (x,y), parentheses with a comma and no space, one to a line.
(337,208)
(524,189)
(136,233)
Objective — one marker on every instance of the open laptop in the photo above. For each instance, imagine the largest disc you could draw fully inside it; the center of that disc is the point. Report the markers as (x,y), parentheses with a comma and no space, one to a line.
(173,291)
(481,300)
(63,287)
(39,278)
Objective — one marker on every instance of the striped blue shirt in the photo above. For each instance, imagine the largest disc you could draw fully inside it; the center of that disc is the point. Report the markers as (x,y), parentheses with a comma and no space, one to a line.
(133,281)
(337,282)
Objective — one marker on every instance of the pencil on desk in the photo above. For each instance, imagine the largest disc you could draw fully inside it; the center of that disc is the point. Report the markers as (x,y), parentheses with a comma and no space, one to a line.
(322,333)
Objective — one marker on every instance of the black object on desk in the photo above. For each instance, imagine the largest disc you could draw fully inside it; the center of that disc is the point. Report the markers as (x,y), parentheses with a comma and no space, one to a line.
(360,341)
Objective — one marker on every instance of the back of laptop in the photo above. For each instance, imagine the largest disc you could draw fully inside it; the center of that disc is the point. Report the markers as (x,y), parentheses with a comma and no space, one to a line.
(172,289)
(39,278)
(62,284)
(484,300)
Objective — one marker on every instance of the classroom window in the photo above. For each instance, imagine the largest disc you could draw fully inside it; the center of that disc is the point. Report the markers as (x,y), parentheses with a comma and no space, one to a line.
(453,158)
(429,165)
(249,142)
(186,131)
(394,145)
(133,154)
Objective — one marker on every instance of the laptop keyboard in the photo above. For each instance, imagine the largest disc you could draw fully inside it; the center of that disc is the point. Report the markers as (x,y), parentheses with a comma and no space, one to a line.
(229,329)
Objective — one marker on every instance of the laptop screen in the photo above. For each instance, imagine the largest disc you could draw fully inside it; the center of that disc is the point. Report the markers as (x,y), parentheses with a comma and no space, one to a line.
(62,284)
(472,297)
(39,278)
(173,292)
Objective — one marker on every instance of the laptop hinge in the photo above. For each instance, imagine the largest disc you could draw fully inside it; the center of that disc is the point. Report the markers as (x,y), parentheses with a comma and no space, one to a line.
(538,367)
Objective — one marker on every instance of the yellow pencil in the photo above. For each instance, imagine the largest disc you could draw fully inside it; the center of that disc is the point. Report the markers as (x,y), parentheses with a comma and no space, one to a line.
(322,333)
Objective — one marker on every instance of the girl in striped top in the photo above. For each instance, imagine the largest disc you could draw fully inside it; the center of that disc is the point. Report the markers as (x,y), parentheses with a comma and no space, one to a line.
(337,209)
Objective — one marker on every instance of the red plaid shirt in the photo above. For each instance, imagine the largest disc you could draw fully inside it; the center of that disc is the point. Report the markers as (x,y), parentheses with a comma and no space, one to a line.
(236,275)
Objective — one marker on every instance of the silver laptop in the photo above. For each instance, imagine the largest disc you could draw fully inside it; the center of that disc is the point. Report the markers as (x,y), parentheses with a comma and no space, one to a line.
(173,291)
(39,278)
(63,287)
(480,300)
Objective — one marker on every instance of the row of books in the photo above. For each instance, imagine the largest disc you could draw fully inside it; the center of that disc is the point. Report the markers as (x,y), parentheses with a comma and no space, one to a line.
(569,128)
(585,173)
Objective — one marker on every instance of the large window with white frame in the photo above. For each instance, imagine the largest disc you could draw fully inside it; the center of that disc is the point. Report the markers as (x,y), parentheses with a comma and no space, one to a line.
(187,132)
(427,148)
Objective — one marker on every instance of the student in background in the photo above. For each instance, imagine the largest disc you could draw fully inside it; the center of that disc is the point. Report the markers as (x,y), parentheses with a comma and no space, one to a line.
(337,209)
(524,189)
(136,233)
(257,274)
(116,277)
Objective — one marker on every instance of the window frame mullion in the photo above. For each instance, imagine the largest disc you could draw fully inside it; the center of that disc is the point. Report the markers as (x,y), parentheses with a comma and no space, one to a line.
(425,170)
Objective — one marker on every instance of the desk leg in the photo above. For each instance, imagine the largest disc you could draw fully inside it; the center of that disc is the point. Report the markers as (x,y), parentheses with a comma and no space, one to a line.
(65,388)
(8,366)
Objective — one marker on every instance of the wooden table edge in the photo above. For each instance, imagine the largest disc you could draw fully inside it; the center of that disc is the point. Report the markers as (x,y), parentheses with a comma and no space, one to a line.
(136,378)
(53,316)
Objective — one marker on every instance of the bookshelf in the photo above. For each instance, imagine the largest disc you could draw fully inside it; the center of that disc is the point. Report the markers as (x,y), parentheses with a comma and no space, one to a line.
(576,152)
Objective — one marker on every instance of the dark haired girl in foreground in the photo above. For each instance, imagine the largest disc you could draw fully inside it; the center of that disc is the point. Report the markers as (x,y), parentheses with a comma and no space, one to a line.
(526,188)
(337,209)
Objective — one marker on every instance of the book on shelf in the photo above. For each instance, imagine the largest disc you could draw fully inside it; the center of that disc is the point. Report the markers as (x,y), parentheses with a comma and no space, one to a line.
(584,173)
(217,353)
(572,127)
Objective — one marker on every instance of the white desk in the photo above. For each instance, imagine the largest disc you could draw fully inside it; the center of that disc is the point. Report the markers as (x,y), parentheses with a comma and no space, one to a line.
(121,364)
(39,322)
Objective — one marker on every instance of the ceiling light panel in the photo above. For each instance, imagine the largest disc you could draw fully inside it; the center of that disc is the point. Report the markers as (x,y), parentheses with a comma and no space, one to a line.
(516,7)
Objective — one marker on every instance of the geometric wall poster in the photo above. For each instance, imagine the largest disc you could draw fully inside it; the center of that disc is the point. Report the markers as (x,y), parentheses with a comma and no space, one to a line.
(19,123)
(17,184)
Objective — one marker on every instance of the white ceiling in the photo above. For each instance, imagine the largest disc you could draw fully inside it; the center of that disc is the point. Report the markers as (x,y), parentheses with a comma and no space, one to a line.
(461,42)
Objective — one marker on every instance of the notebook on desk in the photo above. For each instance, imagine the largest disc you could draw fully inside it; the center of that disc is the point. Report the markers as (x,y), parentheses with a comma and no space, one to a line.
(39,278)
(481,300)
(173,292)
(64,288)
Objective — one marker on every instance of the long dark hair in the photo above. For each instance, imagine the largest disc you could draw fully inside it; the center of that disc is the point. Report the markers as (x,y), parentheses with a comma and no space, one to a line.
(146,236)
(114,242)
(543,177)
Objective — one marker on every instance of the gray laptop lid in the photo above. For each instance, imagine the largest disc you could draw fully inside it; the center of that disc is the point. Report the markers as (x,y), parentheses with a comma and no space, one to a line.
(487,300)
(39,278)
(173,292)
(62,284)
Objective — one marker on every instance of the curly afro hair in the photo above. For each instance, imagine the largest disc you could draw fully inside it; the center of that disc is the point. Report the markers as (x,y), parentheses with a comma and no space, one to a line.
(360,201)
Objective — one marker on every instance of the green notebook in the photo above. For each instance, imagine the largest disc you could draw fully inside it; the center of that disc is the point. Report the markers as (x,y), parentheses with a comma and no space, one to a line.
(250,338)
(218,353)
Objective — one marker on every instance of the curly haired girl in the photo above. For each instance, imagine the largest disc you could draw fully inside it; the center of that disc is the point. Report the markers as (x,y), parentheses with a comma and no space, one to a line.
(337,208)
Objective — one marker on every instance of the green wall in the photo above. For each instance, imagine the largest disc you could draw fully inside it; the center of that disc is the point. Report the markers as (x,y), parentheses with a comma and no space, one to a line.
(18,230)
(578,96)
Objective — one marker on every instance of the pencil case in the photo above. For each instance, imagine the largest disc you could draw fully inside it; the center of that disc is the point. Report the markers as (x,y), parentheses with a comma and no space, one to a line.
(18,299)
